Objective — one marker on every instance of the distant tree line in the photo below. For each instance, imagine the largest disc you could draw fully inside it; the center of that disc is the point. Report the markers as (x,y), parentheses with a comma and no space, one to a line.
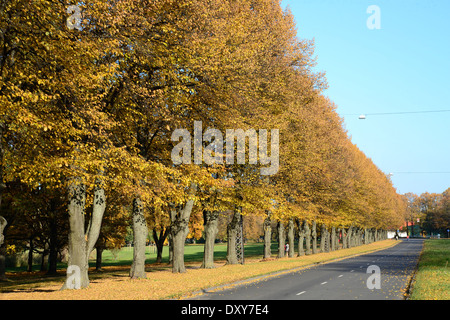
(429,212)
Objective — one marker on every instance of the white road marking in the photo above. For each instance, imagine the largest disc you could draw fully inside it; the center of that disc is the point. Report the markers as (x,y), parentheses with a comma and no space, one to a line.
(323,283)
(300,293)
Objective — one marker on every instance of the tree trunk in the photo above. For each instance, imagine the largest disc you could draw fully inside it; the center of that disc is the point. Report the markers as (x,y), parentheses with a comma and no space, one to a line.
(347,237)
(338,238)
(3,224)
(2,263)
(291,238)
(30,256)
(301,239)
(52,250)
(211,222)
(98,260)
(352,237)
(333,238)
(179,230)
(267,236)
(95,223)
(232,230)
(179,239)
(3,221)
(77,241)
(307,237)
(328,243)
(326,238)
(169,239)
(159,241)
(323,238)
(81,244)
(44,259)
(140,233)
(314,237)
(281,239)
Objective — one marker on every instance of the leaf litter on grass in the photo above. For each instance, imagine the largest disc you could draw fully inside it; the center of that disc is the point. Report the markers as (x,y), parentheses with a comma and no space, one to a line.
(163,284)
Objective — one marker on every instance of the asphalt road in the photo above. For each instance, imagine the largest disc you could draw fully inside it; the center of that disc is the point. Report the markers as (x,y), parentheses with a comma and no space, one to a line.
(341,280)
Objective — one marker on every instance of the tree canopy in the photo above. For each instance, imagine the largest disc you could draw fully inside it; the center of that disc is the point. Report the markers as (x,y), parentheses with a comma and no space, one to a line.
(90,97)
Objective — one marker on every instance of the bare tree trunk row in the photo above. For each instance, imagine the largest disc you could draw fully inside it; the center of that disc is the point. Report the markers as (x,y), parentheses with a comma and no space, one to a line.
(330,240)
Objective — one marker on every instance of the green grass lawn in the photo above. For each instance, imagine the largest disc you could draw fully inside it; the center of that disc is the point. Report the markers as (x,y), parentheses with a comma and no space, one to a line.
(192,253)
(432,280)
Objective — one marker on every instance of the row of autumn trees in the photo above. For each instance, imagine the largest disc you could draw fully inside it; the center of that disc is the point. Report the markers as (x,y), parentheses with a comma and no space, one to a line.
(87,115)
(428,213)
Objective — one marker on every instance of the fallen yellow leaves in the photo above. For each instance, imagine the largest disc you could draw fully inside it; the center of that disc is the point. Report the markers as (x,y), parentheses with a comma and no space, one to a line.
(163,284)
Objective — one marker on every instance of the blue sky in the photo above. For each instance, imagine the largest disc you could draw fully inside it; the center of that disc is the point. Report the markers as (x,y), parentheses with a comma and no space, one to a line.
(402,67)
